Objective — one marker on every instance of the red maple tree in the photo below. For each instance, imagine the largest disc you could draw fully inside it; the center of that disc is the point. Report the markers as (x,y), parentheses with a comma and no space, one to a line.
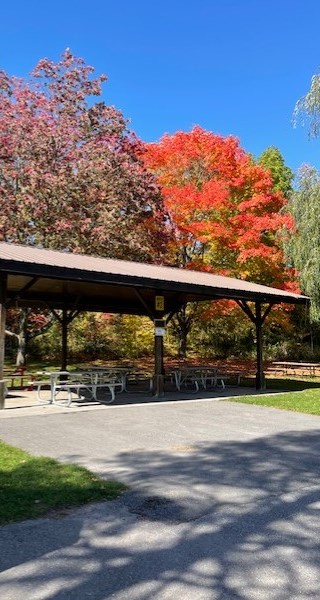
(224,212)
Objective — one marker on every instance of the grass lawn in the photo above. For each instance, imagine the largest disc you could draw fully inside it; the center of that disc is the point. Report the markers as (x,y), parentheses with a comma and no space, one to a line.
(32,486)
(305,401)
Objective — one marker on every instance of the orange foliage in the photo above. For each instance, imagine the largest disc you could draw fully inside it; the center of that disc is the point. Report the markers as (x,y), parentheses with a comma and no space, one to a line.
(224,212)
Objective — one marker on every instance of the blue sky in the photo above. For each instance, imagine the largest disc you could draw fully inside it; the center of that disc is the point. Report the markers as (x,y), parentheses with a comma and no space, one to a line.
(232,66)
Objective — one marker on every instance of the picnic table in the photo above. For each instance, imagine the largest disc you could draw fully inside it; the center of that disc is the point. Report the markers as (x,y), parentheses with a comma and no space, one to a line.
(18,378)
(85,384)
(197,376)
(288,367)
(117,372)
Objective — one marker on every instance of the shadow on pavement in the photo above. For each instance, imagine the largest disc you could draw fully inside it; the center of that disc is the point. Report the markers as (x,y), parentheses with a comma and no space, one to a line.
(225,521)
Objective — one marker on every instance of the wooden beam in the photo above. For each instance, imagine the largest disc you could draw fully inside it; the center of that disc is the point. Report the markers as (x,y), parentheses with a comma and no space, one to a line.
(64,340)
(246,309)
(170,316)
(25,288)
(158,377)
(150,312)
(73,314)
(65,319)
(266,312)
(258,318)
(55,314)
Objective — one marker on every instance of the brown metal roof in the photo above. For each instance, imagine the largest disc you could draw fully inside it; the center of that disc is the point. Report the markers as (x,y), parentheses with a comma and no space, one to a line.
(60,278)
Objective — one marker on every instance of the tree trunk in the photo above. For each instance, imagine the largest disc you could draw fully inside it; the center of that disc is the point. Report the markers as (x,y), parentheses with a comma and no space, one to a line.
(183,341)
(182,325)
(22,338)
(24,334)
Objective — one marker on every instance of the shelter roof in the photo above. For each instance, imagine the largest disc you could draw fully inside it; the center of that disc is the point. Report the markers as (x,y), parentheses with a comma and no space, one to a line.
(61,279)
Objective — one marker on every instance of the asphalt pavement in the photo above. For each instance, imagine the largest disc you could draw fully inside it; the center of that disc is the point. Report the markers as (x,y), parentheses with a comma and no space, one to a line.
(223,505)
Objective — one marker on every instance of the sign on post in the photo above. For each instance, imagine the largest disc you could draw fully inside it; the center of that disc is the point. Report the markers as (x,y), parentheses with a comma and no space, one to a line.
(159,328)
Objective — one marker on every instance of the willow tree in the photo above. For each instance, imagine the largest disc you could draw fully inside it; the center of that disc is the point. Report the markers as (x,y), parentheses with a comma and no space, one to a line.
(307,108)
(303,248)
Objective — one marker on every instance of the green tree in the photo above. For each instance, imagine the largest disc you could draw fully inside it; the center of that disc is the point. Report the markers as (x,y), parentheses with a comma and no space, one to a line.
(303,248)
(307,108)
(282,176)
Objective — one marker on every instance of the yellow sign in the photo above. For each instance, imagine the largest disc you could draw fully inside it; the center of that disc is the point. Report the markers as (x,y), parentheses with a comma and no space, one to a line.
(159,303)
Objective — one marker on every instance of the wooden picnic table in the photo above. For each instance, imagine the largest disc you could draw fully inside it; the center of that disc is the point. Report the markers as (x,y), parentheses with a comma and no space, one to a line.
(292,367)
(18,378)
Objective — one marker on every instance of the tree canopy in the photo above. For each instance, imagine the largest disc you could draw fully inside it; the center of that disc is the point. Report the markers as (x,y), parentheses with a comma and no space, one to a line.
(71,174)
(74,177)
(223,207)
(303,248)
(282,176)
(307,108)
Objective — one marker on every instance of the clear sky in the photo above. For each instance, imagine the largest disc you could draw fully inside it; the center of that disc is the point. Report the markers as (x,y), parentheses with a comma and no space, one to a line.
(232,66)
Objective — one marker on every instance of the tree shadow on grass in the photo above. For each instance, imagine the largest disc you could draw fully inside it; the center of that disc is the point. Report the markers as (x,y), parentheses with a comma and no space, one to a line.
(223,521)
(290,384)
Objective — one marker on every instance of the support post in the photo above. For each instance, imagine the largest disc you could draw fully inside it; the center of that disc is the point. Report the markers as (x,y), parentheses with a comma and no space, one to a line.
(158,377)
(64,340)
(3,293)
(64,319)
(260,381)
(258,319)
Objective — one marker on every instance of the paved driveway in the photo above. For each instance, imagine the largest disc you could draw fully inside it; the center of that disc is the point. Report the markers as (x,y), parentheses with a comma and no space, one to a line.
(224,504)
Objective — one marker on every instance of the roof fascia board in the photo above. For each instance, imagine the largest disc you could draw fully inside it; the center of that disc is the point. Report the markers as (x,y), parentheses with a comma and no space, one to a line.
(203,292)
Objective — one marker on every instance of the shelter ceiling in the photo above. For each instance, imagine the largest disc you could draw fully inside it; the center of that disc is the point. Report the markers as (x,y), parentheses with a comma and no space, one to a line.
(37,277)
(100,297)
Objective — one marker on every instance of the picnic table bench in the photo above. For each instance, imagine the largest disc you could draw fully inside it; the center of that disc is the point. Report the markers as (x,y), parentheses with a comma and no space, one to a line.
(196,376)
(21,375)
(84,384)
(289,367)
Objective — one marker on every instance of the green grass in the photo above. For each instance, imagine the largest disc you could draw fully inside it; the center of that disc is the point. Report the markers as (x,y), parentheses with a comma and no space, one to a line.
(293,384)
(33,486)
(304,401)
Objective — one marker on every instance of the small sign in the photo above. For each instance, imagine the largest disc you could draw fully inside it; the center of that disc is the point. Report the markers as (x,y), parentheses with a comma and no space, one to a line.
(159,303)
(159,327)
(160,331)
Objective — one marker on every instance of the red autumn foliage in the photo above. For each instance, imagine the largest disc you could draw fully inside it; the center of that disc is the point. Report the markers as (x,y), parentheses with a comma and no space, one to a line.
(224,212)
